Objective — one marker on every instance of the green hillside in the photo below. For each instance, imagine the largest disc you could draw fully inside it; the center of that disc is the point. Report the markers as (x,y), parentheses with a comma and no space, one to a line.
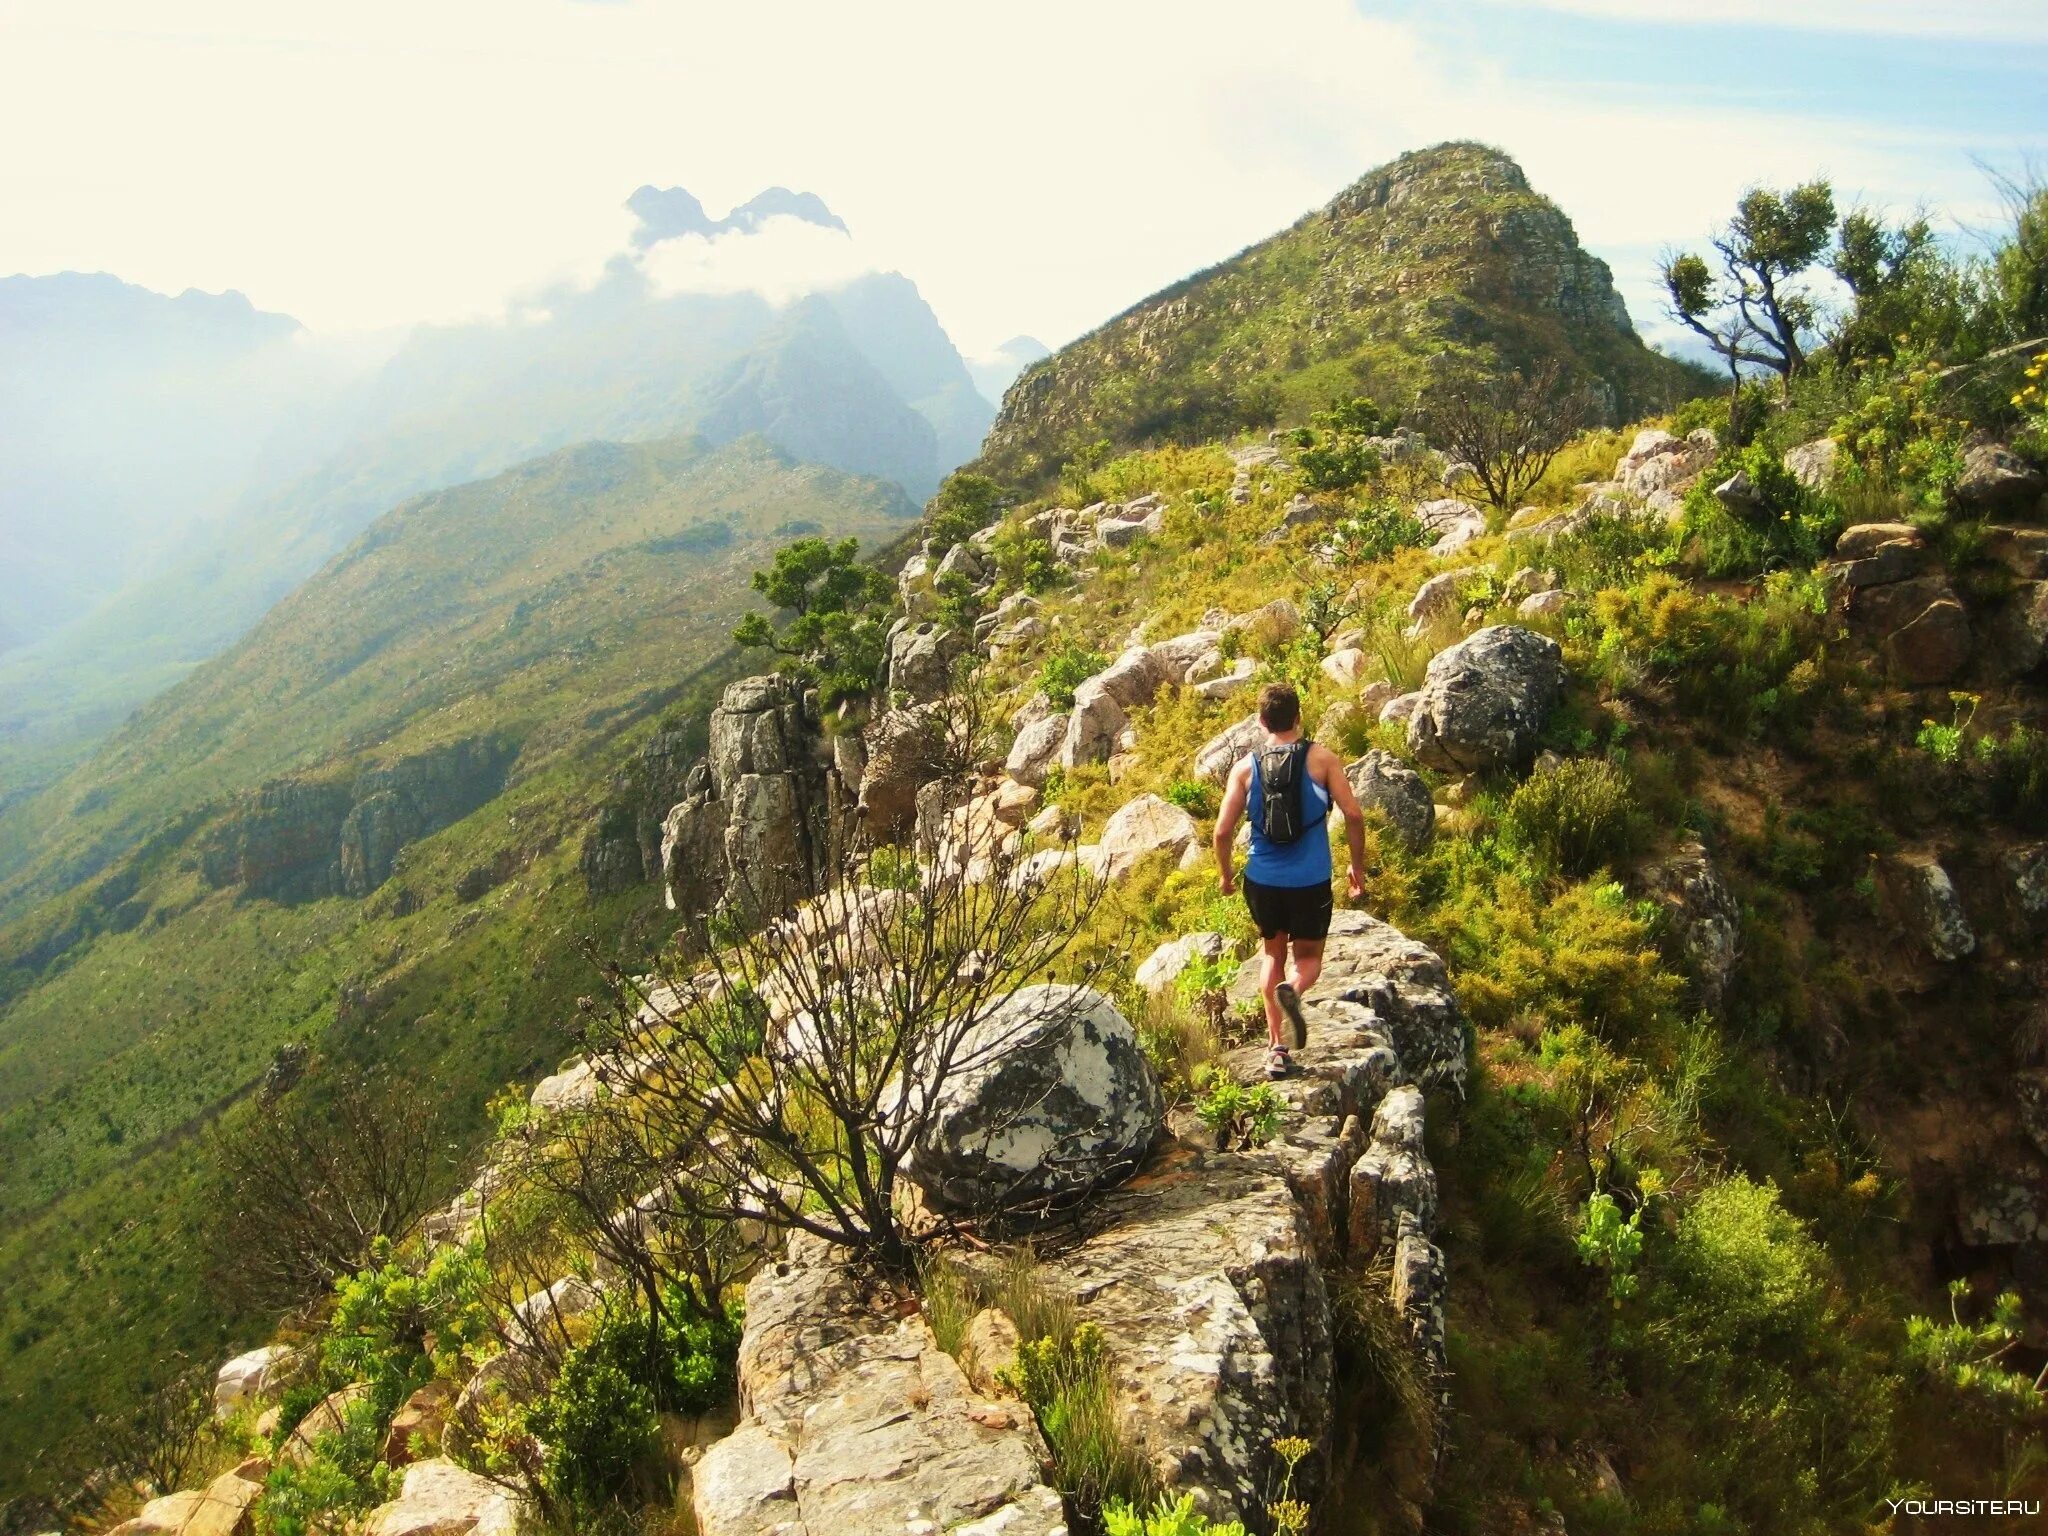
(1445,249)
(484,660)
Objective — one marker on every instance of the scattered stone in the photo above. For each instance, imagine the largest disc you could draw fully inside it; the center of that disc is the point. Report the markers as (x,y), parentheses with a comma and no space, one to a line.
(1052,822)
(1341,721)
(1485,700)
(1384,783)
(1050,1098)
(1400,709)
(1275,623)
(2023,551)
(1230,683)
(1163,966)
(1738,493)
(1435,601)
(420,1419)
(1013,802)
(248,1377)
(1092,728)
(1345,668)
(1543,605)
(1452,522)
(329,1416)
(2027,868)
(1145,826)
(1657,462)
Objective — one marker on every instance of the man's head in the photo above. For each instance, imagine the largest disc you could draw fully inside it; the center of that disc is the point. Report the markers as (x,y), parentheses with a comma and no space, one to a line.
(1279,707)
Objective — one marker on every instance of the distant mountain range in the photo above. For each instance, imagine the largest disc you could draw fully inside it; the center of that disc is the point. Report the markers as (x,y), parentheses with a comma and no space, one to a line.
(189,461)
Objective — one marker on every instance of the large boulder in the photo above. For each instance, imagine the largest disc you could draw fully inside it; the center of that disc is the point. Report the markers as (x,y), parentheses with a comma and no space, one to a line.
(1050,1098)
(250,1376)
(1093,727)
(901,747)
(1384,783)
(1485,700)
(1920,624)
(1222,751)
(1877,554)
(438,1498)
(1813,464)
(1145,826)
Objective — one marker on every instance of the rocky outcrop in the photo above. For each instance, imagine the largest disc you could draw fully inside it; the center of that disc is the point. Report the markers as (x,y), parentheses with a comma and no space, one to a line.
(858,1424)
(1222,751)
(921,658)
(1932,896)
(1450,524)
(623,846)
(300,839)
(1050,1097)
(1658,467)
(224,1507)
(1920,625)
(1485,700)
(751,828)
(256,1374)
(1878,554)
(1995,479)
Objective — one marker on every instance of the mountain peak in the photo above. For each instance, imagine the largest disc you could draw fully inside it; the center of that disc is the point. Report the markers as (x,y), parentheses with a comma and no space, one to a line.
(666,213)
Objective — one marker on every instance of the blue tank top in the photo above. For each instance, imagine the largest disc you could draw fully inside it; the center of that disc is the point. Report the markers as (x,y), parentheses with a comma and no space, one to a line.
(1306,860)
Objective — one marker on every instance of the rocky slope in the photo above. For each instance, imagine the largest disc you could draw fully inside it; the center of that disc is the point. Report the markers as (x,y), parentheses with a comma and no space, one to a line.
(1444,249)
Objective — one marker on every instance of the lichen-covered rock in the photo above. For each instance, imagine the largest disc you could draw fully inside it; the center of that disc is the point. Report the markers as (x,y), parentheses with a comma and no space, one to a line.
(2004,1214)
(858,1424)
(1050,1097)
(2027,868)
(1384,783)
(438,1498)
(1995,478)
(1947,930)
(1393,1177)
(1484,701)
(1145,826)
(1702,916)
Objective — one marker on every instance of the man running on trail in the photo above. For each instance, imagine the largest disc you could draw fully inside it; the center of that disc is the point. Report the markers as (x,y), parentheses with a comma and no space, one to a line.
(1288,785)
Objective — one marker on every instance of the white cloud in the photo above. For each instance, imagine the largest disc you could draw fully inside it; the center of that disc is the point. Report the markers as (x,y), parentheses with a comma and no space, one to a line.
(2019,20)
(781,260)
(1033,169)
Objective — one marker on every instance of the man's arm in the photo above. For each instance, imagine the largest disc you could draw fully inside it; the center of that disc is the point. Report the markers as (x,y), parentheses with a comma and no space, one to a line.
(1331,773)
(1238,787)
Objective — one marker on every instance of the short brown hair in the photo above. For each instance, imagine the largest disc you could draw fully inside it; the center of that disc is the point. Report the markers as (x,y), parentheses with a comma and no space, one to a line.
(1279,707)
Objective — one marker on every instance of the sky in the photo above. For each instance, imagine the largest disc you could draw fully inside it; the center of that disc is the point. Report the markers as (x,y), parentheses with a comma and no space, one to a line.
(1034,168)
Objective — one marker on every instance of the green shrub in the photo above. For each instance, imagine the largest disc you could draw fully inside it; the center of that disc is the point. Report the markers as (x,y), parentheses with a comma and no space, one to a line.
(1790,526)
(965,504)
(599,1427)
(1193,796)
(687,1367)
(1374,530)
(1609,1243)
(1175,1517)
(1024,561)
(1066,669)
(1240,1116)
(1580,815)
(1070,1385)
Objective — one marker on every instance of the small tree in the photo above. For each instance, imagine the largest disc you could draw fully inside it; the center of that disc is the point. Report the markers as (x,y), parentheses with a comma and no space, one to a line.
(835,635)
(314,1179)
(789,1080)
(1507,426)
(1756,310)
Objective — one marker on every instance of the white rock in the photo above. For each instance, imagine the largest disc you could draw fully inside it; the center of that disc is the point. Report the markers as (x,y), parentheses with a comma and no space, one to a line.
(251,1375)
(438,1498)
(1163,966)
(1145,826)
(1345,667)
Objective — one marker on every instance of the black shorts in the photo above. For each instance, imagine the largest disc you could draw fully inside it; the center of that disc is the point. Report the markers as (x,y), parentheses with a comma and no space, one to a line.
(1299,911)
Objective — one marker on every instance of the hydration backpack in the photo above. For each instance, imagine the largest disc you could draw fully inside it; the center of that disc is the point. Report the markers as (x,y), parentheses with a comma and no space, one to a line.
(1283,799)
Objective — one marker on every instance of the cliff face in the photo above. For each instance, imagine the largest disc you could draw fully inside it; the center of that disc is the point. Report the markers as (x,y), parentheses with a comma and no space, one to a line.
(1444,248)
